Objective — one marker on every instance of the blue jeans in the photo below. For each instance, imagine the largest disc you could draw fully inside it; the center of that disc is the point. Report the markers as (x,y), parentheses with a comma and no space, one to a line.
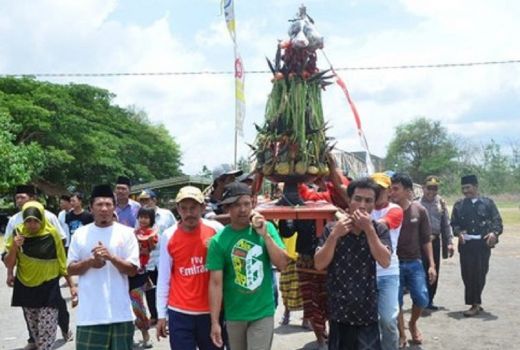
(388,309)
(413,277)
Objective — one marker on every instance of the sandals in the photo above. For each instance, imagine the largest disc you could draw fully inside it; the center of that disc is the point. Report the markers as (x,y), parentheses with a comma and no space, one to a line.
(285,319)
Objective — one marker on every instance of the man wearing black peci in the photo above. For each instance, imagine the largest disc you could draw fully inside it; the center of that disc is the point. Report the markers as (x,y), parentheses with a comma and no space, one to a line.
(477,223)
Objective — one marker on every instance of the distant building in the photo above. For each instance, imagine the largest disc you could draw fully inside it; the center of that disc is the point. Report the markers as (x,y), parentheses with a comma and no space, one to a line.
(167,189)
(353,164)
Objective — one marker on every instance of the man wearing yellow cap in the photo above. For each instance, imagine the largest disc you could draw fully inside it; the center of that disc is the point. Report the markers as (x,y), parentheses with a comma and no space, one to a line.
(441,230)
(390,215)
(182,286)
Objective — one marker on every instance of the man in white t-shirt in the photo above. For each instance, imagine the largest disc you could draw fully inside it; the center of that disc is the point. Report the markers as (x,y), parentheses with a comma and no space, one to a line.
(103,254)
(65,207)
(25,193)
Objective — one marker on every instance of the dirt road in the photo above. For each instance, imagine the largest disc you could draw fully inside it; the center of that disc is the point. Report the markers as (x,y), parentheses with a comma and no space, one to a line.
(496,328)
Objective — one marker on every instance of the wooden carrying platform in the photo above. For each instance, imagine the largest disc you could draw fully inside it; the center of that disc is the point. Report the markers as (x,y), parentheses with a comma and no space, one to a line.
(321,212)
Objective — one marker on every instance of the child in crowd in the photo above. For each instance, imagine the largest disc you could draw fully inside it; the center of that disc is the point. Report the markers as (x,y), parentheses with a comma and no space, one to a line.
(147,238)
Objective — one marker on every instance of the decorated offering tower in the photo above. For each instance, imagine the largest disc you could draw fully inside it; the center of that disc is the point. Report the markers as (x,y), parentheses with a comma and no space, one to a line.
(291,146)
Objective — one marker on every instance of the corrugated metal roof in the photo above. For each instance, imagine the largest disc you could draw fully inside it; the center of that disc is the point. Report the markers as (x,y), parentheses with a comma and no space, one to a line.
(183,180)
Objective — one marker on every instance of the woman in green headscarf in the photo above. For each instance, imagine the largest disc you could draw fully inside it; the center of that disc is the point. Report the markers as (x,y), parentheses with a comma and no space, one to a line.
(37,252)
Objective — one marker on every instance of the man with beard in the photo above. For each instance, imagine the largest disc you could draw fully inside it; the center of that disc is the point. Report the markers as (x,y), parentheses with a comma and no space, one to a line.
(103,254)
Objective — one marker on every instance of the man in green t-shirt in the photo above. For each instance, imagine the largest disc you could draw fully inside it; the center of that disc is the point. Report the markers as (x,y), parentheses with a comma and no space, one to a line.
(239,259)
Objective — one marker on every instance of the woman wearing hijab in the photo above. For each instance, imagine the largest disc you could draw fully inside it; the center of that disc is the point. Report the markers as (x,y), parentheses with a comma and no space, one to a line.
(37,252)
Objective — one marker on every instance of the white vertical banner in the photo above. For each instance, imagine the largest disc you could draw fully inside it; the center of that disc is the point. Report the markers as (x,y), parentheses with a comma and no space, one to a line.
(240,100)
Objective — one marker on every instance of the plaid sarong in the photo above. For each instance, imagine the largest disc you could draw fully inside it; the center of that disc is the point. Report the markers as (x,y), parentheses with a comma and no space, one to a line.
(290,288)
(113,336)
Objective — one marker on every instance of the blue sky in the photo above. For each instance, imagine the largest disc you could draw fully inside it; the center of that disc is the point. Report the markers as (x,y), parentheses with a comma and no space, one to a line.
(479,103)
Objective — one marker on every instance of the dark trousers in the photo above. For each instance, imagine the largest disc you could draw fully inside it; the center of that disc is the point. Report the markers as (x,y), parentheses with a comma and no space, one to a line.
(474,266)
(63,316)
(150,295)
(190,332)
(436,248)
(345,337)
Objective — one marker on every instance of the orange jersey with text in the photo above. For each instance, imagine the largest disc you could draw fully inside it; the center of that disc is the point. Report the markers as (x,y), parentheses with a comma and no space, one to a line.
(189,276)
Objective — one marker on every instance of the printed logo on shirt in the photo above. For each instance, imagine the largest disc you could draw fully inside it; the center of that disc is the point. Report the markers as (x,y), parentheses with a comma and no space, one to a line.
(74,225)
(197,267)
(249,269)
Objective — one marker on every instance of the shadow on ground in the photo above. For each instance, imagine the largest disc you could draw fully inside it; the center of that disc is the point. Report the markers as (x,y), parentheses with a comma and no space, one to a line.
(483,315)
(313,346)
(290,329)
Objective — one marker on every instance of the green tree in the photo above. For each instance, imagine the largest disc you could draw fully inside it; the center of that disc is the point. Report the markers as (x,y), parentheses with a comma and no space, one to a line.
(83,137)
(496,170)
(420,148)
(19,161)
(205,172)
(515,164)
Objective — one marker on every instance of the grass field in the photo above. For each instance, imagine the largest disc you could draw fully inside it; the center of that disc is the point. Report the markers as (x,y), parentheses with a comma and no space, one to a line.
(509,210)
(510,215)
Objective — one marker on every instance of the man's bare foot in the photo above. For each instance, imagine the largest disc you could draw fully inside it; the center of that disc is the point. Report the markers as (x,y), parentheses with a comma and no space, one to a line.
(402,342)
(417,337)
(306,324)
(286,318)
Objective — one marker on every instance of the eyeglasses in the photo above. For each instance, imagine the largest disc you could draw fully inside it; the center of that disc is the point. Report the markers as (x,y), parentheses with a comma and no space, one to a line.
(432,188)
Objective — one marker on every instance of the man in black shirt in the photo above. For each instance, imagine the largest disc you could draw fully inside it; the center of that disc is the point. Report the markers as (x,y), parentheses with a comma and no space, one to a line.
(477,223)
(77,217)
(349,251)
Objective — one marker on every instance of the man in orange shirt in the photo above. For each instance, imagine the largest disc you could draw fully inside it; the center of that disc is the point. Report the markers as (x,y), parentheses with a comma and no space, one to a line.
(182,284)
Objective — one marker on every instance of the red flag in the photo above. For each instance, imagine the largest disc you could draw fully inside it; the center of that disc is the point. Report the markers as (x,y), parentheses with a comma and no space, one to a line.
(364,143)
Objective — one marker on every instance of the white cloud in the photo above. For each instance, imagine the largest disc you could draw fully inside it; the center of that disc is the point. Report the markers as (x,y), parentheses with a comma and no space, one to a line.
(448,31)
(81,36)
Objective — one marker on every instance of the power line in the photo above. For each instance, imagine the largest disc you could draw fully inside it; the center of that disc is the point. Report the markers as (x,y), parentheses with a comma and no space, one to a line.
(208,72)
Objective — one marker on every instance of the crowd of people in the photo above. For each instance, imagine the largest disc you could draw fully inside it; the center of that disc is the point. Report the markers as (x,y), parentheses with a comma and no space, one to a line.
(207,280)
